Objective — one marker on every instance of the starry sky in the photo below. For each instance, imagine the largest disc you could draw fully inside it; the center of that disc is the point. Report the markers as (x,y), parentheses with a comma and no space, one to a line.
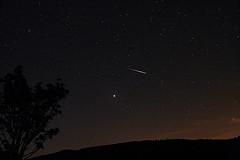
(136,70)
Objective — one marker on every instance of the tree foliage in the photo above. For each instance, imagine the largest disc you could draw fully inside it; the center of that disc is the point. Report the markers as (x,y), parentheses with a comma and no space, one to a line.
(25,114)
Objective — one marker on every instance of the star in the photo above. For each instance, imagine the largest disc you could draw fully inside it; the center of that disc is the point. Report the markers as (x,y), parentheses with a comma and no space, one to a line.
(29,30)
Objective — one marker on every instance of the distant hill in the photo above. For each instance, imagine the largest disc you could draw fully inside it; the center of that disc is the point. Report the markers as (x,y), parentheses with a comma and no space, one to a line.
(147,150)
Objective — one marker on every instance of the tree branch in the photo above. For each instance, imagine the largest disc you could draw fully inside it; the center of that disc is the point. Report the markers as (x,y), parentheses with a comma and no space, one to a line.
(30,154)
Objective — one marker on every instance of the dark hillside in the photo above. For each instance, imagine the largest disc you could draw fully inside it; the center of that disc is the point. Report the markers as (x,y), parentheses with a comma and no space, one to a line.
(146,150)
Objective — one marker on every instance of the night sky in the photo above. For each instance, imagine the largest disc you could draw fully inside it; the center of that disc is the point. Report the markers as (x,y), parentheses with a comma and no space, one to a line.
(136,69)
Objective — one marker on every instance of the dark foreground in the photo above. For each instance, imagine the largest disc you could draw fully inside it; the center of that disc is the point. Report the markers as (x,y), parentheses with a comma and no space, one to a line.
(147,150)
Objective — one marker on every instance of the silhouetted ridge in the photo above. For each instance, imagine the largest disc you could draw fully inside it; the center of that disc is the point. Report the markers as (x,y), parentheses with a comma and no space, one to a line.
(146,150)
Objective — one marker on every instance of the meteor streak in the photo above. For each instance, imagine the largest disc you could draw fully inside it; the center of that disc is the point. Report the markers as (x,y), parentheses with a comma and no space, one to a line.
(138,71)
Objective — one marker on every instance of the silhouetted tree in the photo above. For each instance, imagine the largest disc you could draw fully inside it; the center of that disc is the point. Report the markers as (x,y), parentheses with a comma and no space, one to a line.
(25,114)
